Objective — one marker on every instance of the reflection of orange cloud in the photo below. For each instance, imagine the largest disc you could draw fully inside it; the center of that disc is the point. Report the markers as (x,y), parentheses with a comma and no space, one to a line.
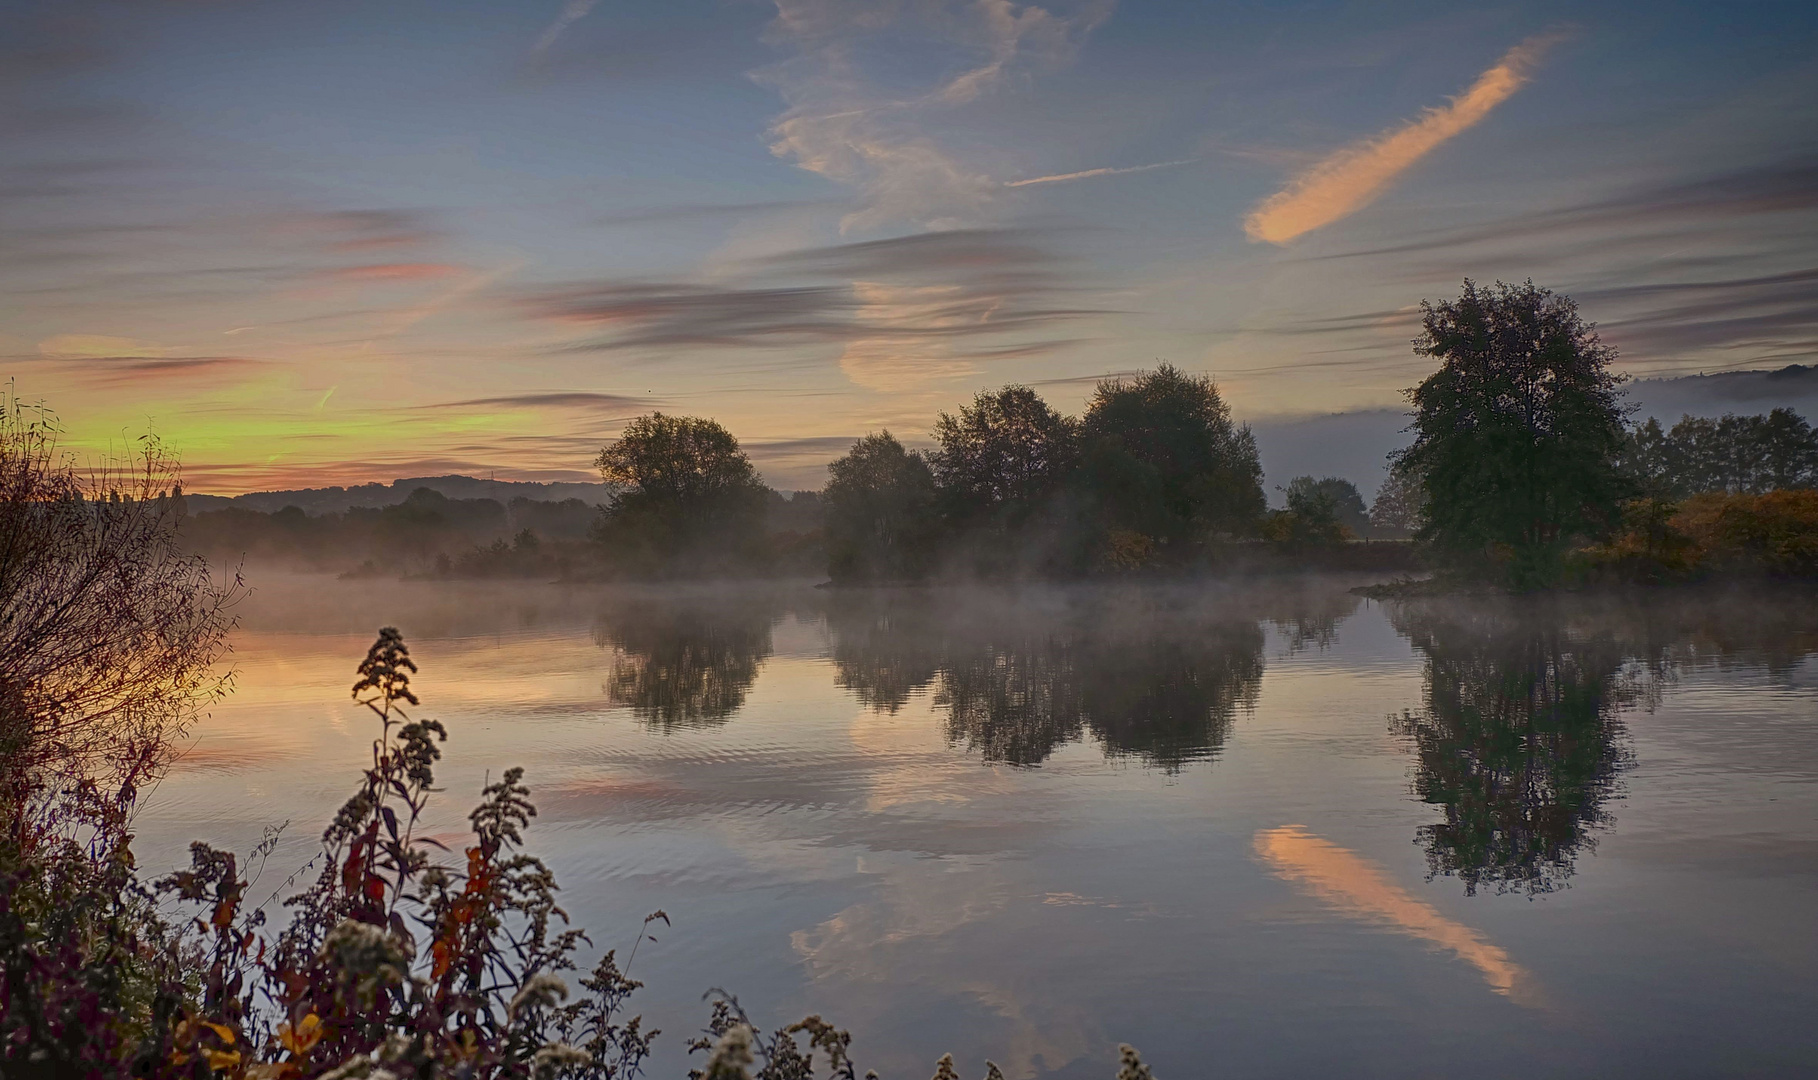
(1349,179)
(394,272)
(1360,889)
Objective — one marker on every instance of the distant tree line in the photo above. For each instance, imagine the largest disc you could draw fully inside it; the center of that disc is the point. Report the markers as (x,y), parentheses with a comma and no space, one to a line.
(426,533)
(1738,455)
(1524,470)
(429,534)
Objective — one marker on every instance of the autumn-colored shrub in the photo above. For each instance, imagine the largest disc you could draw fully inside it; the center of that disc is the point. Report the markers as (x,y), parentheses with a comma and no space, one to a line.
(1774,535)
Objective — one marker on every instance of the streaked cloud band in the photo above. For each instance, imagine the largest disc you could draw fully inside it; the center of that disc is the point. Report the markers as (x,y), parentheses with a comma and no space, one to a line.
(1348,180)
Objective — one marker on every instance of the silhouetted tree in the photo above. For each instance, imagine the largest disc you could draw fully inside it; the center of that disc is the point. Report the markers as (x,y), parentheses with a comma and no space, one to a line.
(686,496)
(1165,460)
(880,512)
(1517,434)
(1001,457)
(1399,507)
(1338,499)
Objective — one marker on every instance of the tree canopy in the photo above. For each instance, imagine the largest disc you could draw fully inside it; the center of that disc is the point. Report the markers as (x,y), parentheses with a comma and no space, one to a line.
(1330,497)
(1517,434)
(880,511)
(1165,459)
(1001,454)
(684,491)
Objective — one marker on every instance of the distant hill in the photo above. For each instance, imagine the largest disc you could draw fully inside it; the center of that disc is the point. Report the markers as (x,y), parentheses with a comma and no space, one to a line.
(336,500)
(1794,386)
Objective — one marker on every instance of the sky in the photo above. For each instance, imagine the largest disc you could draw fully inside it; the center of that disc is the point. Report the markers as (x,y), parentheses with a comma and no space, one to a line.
(336,242)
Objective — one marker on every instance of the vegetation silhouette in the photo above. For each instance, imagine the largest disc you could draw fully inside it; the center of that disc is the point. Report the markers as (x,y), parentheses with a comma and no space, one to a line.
(1164,460)
(881,512)
(109,627)
(1519,739)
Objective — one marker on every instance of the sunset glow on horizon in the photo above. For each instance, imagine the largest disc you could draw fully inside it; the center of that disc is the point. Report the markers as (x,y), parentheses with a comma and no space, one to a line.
(344,243)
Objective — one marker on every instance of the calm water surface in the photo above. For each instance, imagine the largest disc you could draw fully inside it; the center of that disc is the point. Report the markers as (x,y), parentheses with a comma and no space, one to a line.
(1256,831)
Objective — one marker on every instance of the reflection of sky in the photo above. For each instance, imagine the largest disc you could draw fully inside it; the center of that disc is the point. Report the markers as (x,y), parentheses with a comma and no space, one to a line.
(821,856)
(342,241)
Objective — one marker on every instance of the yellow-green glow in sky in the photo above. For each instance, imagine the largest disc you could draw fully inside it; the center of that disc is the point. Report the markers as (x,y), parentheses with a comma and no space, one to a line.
(344,242)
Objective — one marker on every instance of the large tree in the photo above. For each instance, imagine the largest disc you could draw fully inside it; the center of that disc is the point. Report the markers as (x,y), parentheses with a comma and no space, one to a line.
(1165,459)
(1330,497)
(880,511)
(685,495)
(1517,435)
(1002,456)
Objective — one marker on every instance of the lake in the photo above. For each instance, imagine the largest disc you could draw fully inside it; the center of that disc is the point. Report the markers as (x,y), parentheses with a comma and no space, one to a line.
(1259,830)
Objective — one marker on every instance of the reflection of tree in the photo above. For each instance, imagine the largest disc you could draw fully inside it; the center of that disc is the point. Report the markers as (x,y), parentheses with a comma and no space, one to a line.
(1309,614)
(1169,698)
(1519,741)
(1016,681)
(883,651)
(683,664)
(1014,704)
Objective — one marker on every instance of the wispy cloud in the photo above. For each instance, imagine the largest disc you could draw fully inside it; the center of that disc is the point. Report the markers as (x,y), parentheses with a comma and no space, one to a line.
(1090,173)
(393,272)
(843,124)
(1779,187)
(143,369)
(358,230)
(1351,178)
(572,12)
(567,399)
(903,310)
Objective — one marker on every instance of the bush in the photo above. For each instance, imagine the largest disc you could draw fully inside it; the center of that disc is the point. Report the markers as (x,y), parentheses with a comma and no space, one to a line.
(1772,535)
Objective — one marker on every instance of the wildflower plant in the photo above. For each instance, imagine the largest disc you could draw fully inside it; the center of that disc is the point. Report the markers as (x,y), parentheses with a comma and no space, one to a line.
(398,961)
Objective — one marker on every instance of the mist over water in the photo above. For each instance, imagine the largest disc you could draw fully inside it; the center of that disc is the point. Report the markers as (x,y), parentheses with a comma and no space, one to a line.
(1321,836)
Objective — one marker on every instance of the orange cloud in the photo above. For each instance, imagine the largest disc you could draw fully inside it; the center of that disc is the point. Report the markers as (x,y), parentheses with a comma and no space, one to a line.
(1358,888)
(394,272)
(1346,181)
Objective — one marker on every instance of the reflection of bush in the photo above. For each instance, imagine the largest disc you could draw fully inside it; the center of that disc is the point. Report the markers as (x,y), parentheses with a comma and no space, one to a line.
(1518,741)
(684,666)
